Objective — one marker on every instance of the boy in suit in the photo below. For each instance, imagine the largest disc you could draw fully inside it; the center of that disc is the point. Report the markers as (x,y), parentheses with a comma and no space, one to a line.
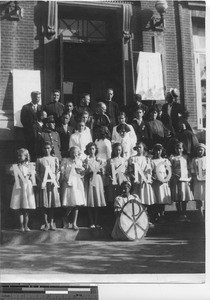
(64,131)
(28,117)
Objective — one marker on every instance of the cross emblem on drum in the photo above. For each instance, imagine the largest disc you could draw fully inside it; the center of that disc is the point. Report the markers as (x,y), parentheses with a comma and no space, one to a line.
(133,220)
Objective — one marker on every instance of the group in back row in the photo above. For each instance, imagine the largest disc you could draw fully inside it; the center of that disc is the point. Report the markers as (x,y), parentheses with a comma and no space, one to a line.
(61,125)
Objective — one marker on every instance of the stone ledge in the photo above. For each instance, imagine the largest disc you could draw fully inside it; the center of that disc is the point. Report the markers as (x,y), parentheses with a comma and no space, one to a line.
(16,237)
(13,237)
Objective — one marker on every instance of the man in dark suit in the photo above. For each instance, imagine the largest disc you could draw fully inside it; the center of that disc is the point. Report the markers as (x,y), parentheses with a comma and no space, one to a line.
(55,108)
(37,130)
(64,131)
(28,117)
(71,111)
(84,104)
(132,108)
(112,108)
(173,109)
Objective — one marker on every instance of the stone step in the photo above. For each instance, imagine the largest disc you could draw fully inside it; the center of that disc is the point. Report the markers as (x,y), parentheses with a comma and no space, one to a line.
(171,228)
(10,219)
(191,206)
(16,237)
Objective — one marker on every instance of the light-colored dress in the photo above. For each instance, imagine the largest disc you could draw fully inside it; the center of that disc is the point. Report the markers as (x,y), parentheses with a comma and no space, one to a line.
(132,135)
(80,140)
(143,187)
(104,153)
(198,169)
(104,148)
(23,197)
(117,163)
(180,180)
(94,189)
(127,143)
(48,197)
(161,189)
(72,189)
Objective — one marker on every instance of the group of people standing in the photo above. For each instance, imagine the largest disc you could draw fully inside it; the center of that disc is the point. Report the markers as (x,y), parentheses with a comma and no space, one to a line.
(86,155)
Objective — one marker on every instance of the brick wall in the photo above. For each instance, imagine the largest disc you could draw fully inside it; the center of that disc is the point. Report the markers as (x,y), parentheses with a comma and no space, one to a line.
(21,48)
(189,91)
(16,49)
(148,9)
(172,56)
(170,38)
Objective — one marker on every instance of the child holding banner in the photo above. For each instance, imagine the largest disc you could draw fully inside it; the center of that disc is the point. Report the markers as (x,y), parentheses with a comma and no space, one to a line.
(161,171)
(198,170)
(23,198)
(116,171)
(141,176)
(47,171)
(180,181)
(94,188)
(72,190)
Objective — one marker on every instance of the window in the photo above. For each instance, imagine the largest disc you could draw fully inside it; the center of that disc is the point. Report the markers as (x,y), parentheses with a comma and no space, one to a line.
(200,69)
(82,29)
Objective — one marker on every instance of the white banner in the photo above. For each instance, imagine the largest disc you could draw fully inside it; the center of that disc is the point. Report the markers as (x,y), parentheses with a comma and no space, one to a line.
(150,76)
(24,82)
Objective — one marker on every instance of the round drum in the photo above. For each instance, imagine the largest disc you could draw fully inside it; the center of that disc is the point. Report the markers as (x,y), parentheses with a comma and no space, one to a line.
(133,220)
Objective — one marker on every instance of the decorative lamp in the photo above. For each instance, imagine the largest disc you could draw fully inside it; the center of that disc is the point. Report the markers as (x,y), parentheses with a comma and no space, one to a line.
(14,11)
(159,23)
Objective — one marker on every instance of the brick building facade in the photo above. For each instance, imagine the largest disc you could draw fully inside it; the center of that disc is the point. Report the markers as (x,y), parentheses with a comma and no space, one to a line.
(29,43)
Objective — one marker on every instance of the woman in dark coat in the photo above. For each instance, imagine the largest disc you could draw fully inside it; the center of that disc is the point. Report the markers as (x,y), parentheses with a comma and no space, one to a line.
(158,133)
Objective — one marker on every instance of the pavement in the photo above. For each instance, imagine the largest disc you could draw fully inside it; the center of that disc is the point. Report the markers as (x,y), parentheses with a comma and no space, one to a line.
(170,248)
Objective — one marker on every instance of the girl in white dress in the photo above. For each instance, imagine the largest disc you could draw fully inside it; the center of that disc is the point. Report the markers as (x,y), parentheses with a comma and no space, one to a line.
(115,135)
(23,198)
(180,181)
(116,172)
(104,147)
(198,171)
(72,190)
(94,189)
(161,172)
(48,173)
(80,138)
(124,138)
(141,176)
(103,143)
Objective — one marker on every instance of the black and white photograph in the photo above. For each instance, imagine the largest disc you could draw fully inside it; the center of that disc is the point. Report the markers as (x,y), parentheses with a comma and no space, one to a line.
(103,136)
